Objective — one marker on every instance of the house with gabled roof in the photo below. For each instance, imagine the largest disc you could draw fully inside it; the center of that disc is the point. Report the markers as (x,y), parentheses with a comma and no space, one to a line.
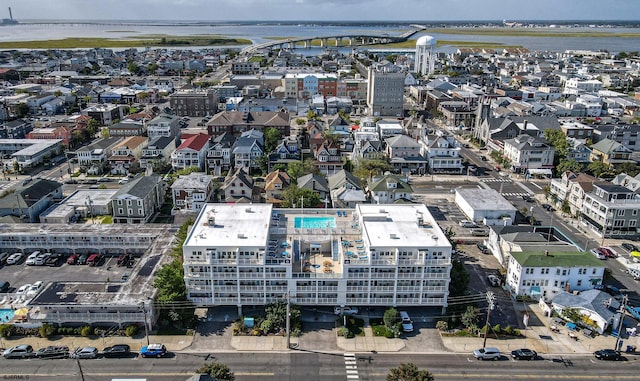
(238,187)
(288,150)
(137,201)
(192,152)
(442,153)
(158,150)
(219,153)
(389,189)
(28,201)
(236,122)
(275,183)
(191,192)
(610,152)
(404,155)
(315,183)
(94,156)
(125,153)
(571,187)
(163,125)
(370,149)
(246,150)
(327,157)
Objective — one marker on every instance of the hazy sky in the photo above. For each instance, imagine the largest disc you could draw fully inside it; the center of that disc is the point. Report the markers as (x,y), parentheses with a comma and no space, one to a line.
(325,10)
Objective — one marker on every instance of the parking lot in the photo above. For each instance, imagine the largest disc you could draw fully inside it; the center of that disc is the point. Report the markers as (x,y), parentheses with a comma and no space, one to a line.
(21,274)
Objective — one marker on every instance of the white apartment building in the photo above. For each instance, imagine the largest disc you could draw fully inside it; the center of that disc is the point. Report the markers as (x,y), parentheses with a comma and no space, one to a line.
(373,255)
(527,152)
(611,210)
(543,274)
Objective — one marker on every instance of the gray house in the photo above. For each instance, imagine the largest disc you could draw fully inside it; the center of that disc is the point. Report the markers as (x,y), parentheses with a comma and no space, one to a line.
(27,202)
(137,201)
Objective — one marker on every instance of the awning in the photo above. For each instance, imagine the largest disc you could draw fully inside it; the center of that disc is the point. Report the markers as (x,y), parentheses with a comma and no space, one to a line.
(316,245)
(539,171)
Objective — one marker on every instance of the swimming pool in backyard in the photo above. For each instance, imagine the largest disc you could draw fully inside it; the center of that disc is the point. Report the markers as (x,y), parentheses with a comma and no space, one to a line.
(314,222)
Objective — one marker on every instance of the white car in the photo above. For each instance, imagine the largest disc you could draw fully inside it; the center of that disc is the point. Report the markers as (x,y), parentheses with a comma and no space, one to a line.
(31,259)
(23,289)
(15,258)
(468,224)
(345,311)
(407,324)
(35,288)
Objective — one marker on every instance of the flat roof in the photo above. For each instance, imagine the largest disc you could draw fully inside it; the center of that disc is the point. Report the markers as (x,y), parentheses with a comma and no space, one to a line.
(556,259)
(397,226)
(231,225)
(485,199)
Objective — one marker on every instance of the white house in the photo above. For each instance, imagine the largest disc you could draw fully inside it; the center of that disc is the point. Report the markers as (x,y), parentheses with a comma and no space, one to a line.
(595,305)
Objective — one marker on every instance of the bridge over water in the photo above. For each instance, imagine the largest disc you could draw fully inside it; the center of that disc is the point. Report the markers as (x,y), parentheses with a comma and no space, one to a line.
(339,40)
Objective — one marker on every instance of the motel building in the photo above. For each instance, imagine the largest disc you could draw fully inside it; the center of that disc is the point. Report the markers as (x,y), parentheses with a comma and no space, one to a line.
(373,255)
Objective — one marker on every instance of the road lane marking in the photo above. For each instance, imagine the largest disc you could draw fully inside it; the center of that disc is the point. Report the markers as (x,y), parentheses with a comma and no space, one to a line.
(351,366)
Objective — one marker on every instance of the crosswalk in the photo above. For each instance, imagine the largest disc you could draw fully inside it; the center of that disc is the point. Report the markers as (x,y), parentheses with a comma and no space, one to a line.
(7,184)
(496,180)
(351,366)
(516,194)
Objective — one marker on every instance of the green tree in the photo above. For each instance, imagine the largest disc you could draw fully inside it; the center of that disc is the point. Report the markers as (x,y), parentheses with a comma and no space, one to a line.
(301,121)
(409,372)
(217,371)
(449,233)
(22,110)
(565,208)
(390,318)
(569,165)
(294,196)
(295,169)
(132,66)
(312,115)
(597,168)
(271,138)
(104,133)
(573,314)
(46,330)
(262,162)
(367,168)
(631,169)
(276,314)
(459,279)
(470,317)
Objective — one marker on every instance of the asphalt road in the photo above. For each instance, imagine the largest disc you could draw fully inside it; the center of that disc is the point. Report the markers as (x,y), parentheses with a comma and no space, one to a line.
(311,366)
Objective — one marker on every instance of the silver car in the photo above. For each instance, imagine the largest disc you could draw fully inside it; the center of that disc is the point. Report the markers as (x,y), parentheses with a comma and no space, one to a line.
(487,353)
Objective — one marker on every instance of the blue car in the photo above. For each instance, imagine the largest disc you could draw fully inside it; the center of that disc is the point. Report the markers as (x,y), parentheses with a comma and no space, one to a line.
(153,350)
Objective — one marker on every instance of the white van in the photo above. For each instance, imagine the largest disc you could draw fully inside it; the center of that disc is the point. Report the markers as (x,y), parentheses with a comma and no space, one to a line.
(407,324)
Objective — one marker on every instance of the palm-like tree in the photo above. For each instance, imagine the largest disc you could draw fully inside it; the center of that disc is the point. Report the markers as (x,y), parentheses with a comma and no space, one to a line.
(409,372)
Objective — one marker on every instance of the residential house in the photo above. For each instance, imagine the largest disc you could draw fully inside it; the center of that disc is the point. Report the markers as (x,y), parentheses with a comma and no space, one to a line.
(571,187)
(247,148)
(442,153)
(346,190)
(527,152)
(389,189)
(158,150)
(238,187)
(15,129)
(494,131)
(327,156)
(194,103)
(404,155)
(126,153)
(163,125)
(370,150)
(611,211)
(317,184)
(595,305)
(237,122)
(139,200)
(578,151)
(627,181)
(275,183)
(28,201)
(191,153)
(219,153)
(287,151)
(544,274)
(105,114)
(610,152)
(191,192)
(94,156)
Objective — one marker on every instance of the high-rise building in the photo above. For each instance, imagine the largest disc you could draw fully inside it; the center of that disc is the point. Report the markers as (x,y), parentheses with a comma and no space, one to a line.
(385,90)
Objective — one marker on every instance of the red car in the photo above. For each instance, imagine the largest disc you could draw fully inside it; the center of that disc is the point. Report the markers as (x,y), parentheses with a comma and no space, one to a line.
(607,252)
(73,259)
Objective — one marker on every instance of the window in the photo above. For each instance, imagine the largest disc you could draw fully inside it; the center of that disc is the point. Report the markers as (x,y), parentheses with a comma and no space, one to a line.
(632,223)
(634,212)
(579,283)
(621,212)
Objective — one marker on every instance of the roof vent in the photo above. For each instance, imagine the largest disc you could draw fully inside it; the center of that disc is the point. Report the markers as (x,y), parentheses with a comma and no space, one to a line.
(241,236)
(212,221)
(393,236)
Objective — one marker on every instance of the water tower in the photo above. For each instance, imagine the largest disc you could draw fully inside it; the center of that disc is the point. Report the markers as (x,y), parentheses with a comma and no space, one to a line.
(425,55)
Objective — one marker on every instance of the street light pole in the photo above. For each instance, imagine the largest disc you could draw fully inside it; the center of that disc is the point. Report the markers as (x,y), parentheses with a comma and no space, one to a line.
(288,320)
(491,298)
(623,310)
(146,329)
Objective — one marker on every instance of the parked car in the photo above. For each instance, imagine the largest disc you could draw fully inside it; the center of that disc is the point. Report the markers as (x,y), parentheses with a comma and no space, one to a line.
(153,350)
(35,288)
(94,260)
(524,354)
(629,246)
(607,252)
(480,232)
(483,248)
(124,260)
(528,198)
(84,353)
(115,351)
(42,259)
(31,259)
(548,207)
(607,354)
(22,351)
(345,311)
(73,259)
(494,280)
(82,260)
(15,258)
(4,286)
(468,224)
(105,180)
(487,353)
(53,352)
(407,324)
(23,289)
(3,258)
(598,254)
(54,260)
(123,181)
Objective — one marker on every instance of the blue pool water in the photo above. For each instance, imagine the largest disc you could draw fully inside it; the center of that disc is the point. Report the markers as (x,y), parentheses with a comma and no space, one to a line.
(6,314)
(314,222)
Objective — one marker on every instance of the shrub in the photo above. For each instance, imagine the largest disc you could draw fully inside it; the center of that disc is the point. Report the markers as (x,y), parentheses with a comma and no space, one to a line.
(497,329)
(46,330)
(86,331)
(508,330)
(6,330)
(343,331)
(442,325)
(131,330)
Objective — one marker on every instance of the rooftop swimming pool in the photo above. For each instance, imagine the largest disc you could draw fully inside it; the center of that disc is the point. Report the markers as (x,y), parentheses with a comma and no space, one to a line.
(314,222)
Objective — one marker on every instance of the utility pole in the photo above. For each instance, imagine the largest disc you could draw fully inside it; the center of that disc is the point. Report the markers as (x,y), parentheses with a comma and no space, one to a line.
(491,298)
(146,329)
(623,310)
(288,320)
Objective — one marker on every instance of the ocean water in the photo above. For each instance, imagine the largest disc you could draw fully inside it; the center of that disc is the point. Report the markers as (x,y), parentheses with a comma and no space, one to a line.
(263,32)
